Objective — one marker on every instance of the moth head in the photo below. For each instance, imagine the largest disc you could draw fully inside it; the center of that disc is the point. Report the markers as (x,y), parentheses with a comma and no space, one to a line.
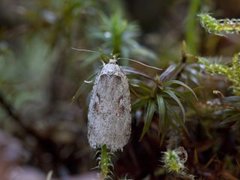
(113,61)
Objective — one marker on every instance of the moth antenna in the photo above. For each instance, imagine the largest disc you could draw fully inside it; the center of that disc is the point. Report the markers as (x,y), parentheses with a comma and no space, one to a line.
(138,73)
(143,64)
(84,50)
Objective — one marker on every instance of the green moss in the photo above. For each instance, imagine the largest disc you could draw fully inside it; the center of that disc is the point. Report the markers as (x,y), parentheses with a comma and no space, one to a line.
(219,26)
(232,72)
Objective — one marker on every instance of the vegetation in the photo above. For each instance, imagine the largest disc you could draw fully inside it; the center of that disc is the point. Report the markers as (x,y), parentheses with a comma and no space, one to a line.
(185,100)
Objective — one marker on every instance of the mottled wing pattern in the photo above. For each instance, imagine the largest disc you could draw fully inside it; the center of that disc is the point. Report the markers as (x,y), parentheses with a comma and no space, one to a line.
(109,117)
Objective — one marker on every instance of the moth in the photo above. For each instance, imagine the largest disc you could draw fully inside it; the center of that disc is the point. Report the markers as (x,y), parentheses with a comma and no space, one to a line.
(109,113)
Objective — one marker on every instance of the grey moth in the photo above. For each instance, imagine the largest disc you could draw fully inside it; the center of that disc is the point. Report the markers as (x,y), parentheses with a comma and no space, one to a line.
(109,113)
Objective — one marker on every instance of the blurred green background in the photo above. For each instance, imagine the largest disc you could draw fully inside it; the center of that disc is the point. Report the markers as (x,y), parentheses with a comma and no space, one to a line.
(44,100)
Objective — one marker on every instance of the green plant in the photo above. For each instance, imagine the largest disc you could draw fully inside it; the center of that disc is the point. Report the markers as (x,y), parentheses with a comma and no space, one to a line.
(164,96)
(174,160)
(222,113)
(116,36)
(104,162)
(192,33)
(219,26)
(232,72)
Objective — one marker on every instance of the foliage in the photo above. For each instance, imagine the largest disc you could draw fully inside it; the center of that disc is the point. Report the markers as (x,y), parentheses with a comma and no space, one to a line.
(231,72)
(192,33)
(223,110)
(219,26)
(104,162)
(163,97)
(116,36)
(174,160)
